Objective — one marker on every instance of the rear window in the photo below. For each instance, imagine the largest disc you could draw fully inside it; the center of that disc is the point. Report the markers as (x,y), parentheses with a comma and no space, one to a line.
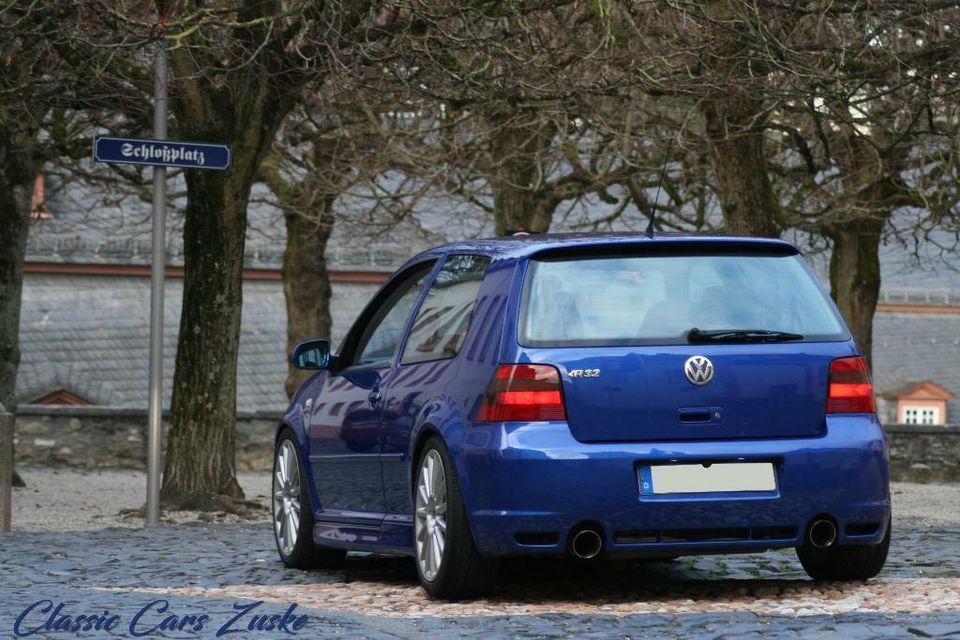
(657,299)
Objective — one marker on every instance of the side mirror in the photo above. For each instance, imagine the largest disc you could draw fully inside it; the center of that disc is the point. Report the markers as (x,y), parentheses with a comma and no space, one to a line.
(311,354)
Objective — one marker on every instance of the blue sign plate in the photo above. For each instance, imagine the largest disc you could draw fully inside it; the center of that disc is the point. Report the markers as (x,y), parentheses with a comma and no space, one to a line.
(163,153)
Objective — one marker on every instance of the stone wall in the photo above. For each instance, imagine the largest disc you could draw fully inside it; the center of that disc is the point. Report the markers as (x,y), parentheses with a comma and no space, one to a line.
(924,454)
(104,437)
(97,437)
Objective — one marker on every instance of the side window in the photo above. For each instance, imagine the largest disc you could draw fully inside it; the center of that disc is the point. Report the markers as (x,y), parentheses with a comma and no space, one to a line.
(379,339)
(444,317)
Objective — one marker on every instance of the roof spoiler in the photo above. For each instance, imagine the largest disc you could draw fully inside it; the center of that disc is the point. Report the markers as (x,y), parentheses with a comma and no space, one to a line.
(688,247)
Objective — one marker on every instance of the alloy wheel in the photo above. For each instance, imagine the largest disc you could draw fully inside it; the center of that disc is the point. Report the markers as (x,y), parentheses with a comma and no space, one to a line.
(286,497)
(431,514)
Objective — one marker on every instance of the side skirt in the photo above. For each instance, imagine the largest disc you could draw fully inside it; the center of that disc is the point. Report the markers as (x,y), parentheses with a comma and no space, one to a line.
(388,538)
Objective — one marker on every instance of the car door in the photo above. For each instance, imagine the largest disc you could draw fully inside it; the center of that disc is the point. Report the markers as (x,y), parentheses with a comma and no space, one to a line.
(344,427)
(426,366)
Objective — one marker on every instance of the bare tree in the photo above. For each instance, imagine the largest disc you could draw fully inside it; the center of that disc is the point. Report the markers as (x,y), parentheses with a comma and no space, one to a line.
(525,107)
(40,99)
(238,73)
(864,133)
(855,90)
(319,153)
(238,68)
(20,160)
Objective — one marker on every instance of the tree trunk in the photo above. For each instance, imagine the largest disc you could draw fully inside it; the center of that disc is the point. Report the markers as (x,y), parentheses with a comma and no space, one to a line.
(735,133)
(200,459)
(14,224)
(871,182)
(200,465)
(518,144)
(306,282)
(855,277)
(18,170)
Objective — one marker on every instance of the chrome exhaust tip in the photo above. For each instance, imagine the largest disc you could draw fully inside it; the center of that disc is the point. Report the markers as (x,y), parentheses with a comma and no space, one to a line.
(822,533)
(586,544)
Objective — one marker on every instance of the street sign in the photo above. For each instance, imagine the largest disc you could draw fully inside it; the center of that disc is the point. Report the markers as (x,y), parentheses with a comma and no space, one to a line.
(162,153)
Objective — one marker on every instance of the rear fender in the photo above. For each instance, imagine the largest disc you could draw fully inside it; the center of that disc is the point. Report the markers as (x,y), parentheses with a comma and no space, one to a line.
(440,416)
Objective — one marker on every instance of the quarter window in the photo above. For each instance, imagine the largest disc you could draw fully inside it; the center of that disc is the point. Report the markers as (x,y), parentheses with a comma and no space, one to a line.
(444,317)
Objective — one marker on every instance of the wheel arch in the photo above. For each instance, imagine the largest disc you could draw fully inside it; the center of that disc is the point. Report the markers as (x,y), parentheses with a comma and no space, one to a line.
(296,427)
(423,435)
(451,432)
(439,417)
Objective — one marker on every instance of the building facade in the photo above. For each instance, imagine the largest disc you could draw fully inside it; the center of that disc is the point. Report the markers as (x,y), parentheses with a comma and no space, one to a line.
(85,317)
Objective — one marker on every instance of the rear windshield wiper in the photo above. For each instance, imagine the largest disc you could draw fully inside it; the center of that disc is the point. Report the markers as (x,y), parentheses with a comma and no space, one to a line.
(697,336)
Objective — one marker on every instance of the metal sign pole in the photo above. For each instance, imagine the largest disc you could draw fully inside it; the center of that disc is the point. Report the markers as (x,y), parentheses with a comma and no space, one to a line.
(6,468)
(158,265)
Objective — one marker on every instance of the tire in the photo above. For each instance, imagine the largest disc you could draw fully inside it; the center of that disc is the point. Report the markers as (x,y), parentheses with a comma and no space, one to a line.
(845,562)
(290,502)
(460,572)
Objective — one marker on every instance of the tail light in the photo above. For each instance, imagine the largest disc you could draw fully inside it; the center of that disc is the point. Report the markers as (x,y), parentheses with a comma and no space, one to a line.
(850,388)
(523,393)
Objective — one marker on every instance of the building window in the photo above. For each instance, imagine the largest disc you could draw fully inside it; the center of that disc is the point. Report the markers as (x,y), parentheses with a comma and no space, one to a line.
(921,415)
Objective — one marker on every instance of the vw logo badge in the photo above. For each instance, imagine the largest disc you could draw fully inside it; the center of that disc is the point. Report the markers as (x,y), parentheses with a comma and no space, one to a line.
(698,369)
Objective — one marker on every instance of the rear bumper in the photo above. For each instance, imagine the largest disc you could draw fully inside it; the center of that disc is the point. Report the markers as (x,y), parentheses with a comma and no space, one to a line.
(526,486)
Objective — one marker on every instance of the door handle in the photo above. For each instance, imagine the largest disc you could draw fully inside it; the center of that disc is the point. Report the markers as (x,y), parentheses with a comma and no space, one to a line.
(375,397)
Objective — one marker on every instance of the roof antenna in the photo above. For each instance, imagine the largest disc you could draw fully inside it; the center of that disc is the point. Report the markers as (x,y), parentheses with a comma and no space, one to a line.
(663,172)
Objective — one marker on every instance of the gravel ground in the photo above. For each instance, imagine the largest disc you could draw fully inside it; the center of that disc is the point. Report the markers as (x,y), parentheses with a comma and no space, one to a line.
(76,500)
(72,547)
(213,569)
(927,503)
(73,500)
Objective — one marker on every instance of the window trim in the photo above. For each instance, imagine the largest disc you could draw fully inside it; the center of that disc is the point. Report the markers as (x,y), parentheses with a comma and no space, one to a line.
(416,312)
(371,311)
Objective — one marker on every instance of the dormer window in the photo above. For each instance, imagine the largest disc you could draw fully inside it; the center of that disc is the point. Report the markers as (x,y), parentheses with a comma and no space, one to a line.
(922,403)
(61,397)
(38,202)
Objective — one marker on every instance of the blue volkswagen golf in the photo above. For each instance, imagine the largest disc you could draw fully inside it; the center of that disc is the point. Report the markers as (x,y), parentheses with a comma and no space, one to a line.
(590,395)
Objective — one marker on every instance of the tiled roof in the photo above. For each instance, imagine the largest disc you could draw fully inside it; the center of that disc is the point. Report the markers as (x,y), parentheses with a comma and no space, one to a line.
(91,223)
(912,387)
(89,335)
(918,346)
(898,389)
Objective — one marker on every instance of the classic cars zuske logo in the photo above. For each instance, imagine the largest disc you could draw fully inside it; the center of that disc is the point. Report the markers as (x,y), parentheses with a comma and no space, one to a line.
(155,618)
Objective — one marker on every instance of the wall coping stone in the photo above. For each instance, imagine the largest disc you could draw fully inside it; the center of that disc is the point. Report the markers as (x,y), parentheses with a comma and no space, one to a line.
(948,430)
(100,411)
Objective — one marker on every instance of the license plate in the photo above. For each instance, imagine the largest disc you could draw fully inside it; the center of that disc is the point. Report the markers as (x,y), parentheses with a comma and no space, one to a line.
(715,478)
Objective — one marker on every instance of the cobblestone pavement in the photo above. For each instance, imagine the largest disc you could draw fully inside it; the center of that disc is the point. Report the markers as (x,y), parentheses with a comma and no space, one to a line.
(202,568)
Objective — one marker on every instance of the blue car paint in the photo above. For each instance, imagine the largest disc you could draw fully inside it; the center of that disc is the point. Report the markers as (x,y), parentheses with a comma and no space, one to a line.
(544,480)
(540,477)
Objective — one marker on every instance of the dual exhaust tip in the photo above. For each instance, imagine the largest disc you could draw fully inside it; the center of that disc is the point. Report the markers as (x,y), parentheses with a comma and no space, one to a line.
(586,541)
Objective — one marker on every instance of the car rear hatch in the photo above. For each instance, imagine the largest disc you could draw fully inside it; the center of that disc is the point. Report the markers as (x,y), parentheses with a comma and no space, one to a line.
(618,326)
(642,393)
